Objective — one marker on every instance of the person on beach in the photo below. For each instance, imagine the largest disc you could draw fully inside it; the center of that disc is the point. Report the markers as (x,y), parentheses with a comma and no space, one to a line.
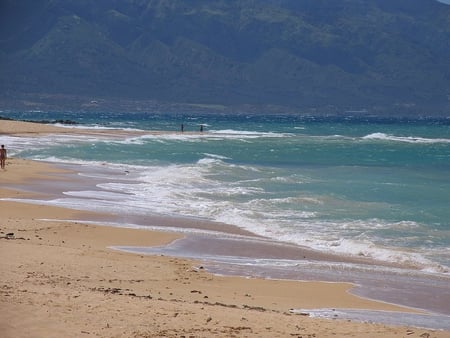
(3,156)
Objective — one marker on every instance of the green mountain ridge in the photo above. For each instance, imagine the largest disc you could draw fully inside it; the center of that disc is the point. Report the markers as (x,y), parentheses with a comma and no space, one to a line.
(296,55)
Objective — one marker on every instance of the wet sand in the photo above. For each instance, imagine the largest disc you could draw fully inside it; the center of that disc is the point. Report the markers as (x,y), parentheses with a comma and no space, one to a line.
(64,278)
(228,250)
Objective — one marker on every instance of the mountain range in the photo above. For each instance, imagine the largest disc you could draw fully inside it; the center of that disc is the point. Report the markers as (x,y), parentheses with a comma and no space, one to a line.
(310,56)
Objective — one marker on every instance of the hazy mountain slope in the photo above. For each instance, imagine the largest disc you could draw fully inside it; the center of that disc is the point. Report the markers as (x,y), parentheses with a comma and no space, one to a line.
(346,54)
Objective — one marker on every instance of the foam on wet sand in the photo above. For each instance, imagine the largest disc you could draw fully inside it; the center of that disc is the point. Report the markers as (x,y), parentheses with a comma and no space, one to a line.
(62,278)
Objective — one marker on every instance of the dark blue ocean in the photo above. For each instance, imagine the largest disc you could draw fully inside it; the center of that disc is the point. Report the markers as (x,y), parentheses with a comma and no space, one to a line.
(372,187)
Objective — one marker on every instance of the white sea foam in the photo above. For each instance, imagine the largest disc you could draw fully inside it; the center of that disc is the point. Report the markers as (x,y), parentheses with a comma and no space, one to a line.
(220,157)
(408,139)
(89,127)
(23,144)
(247,134)
(433,321)
(189,190)
(168,137)
(214,188)
(327,236)
(212,134)
(95,194)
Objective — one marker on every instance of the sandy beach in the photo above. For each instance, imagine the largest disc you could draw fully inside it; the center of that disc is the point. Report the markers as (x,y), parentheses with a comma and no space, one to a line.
(61,278)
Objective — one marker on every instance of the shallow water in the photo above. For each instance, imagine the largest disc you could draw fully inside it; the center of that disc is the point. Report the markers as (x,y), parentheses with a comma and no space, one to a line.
(353,188)
(378,188)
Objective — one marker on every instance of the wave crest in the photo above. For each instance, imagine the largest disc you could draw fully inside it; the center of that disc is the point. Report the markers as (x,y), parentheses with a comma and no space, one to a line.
(408,139)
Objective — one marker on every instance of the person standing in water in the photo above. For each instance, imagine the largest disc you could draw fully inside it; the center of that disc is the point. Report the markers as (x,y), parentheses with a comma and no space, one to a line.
(3,156)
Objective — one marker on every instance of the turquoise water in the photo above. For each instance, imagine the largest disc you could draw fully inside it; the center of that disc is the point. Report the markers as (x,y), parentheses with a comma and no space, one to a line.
(374,187)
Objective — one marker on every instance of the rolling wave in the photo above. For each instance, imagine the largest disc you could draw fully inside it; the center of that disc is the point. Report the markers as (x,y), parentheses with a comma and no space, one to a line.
(408,139)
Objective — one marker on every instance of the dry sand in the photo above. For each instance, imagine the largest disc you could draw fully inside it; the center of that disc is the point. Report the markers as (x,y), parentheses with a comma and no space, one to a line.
(61,279)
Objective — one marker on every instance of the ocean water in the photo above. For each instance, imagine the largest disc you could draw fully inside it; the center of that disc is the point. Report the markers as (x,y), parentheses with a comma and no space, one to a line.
(372,187)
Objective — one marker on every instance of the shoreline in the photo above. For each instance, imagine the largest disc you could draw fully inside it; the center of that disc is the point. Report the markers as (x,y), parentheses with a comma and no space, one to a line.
(228,250)
(65,177)
(68,265)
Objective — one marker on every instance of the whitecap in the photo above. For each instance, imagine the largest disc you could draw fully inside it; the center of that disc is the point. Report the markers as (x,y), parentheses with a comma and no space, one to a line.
(248,134)
(220,157)
(407,139)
